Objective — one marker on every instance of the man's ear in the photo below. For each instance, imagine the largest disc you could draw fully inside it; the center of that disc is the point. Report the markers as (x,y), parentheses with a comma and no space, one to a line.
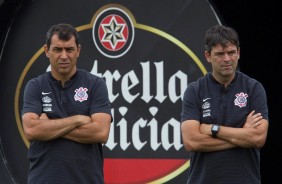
(78,50)
(46,50)
(208,56)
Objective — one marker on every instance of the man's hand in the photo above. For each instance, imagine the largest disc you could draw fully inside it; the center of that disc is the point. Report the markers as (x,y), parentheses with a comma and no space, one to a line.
(253,120)
(43,116)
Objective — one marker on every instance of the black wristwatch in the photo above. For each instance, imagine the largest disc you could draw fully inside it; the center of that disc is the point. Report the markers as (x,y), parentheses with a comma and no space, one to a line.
(215,129)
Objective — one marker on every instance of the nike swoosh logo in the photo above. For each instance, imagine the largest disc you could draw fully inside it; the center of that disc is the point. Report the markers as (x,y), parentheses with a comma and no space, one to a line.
(46,93)
(206,99)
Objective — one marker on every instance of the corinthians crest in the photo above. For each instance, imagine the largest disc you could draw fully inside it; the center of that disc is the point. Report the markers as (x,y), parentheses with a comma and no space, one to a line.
(80,94)
(241,99)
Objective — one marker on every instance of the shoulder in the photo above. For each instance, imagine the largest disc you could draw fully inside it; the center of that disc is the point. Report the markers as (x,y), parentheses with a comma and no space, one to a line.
(87,75)
(89,79)
(247,80)
(41,79)
(252,86)
(201,81)
(198,86)
(245,77)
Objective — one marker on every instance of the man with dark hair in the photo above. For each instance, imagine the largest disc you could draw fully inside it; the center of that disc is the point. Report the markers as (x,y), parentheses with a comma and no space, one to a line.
(224,117)
(66,116)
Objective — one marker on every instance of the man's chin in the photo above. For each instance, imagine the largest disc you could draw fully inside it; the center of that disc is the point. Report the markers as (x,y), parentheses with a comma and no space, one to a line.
(64,71)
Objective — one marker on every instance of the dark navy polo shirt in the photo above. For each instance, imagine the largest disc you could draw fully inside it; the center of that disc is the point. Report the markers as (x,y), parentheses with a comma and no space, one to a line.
(63,161)
(208,101)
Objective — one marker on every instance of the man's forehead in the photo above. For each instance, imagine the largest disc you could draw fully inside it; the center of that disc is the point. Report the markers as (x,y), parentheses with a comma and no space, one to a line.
(221,46)
(56,42)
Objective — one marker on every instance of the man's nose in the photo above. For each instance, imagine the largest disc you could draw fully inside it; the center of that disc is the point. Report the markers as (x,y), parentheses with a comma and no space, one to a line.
(226,57)
(64,54)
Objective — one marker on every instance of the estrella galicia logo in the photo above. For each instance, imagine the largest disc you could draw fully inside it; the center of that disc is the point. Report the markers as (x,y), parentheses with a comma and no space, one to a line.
(113,32)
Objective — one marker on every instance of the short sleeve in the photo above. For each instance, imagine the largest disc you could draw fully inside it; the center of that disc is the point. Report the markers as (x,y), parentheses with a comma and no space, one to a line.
(190,104)
(99,98)
(31,98)
(259,100)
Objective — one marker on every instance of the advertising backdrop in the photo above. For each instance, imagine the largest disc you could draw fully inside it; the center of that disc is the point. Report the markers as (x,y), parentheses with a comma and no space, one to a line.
(146,51)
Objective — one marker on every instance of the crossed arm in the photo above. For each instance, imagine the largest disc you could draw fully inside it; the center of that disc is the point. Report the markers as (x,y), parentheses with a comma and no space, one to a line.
(79,128)
(197,137)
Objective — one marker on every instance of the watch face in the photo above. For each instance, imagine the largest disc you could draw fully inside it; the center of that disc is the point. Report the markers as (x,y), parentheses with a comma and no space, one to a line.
(215,128)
